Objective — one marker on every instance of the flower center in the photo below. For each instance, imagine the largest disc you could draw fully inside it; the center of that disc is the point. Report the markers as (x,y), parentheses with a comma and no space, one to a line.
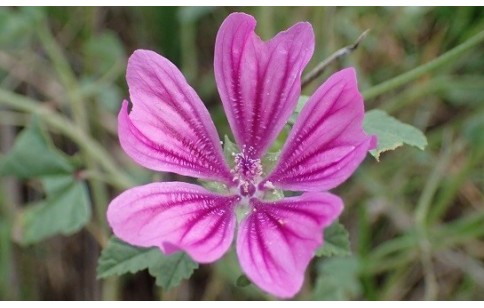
(247,172)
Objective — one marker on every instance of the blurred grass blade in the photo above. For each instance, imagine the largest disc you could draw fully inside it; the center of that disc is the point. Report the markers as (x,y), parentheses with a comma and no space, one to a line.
(421,70)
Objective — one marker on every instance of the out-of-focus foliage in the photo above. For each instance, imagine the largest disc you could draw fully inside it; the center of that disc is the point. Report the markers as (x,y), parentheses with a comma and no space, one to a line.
(415,219)
(336,242)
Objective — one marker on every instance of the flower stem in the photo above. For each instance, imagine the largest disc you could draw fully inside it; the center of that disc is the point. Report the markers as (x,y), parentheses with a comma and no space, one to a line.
(419,71)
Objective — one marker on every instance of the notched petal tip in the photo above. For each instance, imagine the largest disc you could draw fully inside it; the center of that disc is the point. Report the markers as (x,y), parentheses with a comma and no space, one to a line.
(303,32)
(239,17)
(169,128)
(259,82)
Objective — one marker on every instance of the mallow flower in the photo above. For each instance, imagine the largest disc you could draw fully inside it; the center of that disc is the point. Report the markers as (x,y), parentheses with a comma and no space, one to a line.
(169,129)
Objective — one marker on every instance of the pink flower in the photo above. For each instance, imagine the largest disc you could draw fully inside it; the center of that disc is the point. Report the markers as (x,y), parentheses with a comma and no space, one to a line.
(169,129)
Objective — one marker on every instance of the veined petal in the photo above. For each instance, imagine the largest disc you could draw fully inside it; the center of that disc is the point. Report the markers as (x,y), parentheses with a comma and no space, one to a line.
(175,216)
(278,239)
(327,142)
(259,82)
(169,128)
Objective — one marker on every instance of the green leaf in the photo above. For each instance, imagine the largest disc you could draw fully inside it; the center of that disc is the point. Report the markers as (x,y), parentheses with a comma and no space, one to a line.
(336,242)
(230,149)
(67,206)
(66,210)
(337,279)
(170,270)
(119,258)
(31,156)
(391,133)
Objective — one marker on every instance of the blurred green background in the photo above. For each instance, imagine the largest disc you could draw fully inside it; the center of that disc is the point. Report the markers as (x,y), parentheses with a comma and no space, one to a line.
(70,62)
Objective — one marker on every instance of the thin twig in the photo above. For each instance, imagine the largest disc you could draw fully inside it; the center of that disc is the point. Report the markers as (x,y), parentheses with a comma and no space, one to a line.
(322,66)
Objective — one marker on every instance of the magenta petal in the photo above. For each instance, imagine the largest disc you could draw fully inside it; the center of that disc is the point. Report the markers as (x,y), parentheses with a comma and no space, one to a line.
(169,128)
(259,82)
(278,239)
(175,216)
(327,142)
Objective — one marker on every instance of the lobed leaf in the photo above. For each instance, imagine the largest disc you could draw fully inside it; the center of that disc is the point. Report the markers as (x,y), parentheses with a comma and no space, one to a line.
(65,210)
(32,156)
(391,133)
(169,270)
(336,242)
(337,279)
(119,258)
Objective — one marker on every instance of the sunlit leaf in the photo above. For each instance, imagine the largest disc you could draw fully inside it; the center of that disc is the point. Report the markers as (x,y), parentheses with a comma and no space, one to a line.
(391,133)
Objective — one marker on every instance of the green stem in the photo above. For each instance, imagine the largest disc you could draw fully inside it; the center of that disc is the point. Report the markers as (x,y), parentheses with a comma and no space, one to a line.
(66,75)
(418,72)
(64,126)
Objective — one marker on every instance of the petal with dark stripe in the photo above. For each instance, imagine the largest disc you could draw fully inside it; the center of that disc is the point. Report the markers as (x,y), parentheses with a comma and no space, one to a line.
(175,216)
(169,129)
(259,82)
(327,142)
(278,239)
